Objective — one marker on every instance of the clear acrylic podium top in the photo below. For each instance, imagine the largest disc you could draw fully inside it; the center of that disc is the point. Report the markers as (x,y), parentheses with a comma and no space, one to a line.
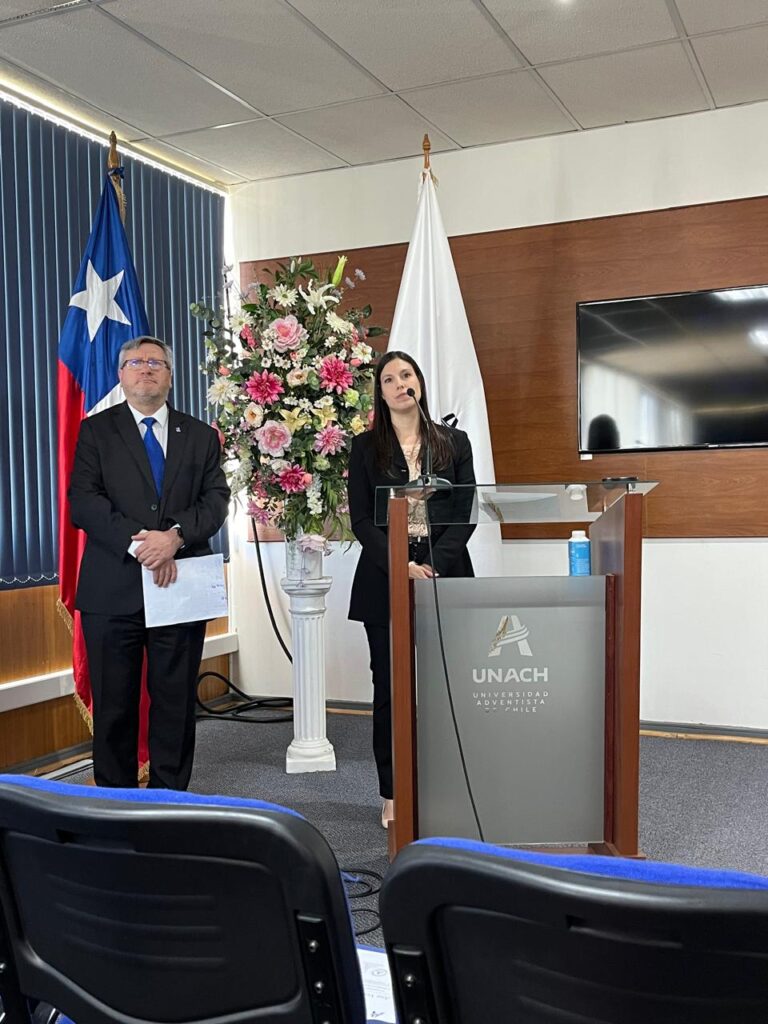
(513,503)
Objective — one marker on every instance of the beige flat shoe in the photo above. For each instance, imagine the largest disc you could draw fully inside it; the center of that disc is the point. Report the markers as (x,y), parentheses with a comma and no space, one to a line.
(387,813)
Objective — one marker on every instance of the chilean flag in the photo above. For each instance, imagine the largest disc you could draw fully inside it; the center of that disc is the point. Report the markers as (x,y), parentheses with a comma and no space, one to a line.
(106,310)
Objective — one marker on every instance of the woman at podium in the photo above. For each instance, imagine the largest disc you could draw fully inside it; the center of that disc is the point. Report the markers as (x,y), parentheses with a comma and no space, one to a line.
(404,445)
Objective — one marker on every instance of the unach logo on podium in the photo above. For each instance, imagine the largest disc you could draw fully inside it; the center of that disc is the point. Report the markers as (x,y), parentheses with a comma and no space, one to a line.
(510,631)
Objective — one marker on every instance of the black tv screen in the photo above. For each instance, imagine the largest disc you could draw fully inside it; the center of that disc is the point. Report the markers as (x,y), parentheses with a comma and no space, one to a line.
(674,371)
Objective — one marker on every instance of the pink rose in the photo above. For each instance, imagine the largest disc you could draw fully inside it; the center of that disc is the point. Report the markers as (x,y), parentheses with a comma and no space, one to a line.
(224,371)
(313,542)
(288,333)
(273,438)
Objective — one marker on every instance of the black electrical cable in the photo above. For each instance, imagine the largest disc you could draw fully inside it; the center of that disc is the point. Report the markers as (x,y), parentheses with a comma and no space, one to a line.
(356,876)
(248,703)
(446,676)
(266,592)
(359,932)
(237,713)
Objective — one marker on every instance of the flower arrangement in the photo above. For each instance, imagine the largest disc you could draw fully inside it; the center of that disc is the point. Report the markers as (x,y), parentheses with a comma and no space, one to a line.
(292,386)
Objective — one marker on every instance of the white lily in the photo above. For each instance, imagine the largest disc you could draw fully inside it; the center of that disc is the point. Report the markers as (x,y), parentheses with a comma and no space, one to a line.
(316,297)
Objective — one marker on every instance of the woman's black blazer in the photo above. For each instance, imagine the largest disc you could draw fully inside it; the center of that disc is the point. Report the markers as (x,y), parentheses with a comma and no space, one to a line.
(370,589)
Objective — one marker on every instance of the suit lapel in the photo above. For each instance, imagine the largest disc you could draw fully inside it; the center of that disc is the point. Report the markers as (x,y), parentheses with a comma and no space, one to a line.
(131,436)
(174,452)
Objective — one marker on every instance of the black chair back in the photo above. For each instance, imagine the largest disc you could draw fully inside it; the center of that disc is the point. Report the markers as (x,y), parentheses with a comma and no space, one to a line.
(475,937)
(132,908)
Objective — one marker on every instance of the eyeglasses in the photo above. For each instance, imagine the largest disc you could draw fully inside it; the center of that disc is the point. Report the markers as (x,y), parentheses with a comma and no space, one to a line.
(152,364)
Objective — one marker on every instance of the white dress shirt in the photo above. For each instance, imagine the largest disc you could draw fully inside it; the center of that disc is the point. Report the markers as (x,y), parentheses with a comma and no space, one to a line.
(159,428)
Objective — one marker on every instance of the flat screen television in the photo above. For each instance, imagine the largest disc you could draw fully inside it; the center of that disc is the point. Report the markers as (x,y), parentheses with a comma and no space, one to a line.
(674,371)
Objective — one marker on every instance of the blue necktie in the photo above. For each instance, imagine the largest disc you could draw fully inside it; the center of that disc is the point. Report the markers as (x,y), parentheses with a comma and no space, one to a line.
(154,453)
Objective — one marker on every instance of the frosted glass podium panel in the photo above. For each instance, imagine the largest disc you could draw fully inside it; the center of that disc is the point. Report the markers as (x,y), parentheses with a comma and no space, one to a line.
(526,665)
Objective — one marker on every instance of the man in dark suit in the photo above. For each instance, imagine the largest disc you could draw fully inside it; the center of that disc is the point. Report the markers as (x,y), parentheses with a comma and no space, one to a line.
(147,488)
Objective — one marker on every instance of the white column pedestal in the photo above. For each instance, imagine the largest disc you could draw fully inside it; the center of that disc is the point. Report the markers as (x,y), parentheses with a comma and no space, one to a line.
(310,750)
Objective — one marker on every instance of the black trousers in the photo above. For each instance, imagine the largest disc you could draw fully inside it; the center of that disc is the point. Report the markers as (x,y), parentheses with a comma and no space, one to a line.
(116,645)
(378,644)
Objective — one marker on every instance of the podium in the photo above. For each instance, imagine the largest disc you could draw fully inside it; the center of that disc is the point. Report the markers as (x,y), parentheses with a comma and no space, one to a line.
(515,700)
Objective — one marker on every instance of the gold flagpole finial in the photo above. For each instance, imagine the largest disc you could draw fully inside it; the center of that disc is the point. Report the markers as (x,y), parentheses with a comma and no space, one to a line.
(426,146)
(113,163)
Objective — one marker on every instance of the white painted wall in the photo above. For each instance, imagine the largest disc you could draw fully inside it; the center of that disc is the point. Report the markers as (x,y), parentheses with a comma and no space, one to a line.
(705,646)
(696,158)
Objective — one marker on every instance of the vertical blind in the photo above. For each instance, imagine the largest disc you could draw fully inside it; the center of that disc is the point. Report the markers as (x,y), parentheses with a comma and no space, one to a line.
(50,182)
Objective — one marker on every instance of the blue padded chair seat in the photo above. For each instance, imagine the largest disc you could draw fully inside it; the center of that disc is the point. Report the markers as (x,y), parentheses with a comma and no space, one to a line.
(646,871)
(142,796)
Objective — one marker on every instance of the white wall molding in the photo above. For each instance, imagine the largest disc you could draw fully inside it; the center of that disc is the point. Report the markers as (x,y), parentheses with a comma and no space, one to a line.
(20,693)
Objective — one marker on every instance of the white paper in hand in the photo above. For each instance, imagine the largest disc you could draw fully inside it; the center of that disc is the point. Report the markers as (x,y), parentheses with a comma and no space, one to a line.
(199,592)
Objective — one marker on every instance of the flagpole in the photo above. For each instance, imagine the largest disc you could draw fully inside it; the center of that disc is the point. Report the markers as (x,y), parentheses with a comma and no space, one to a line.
(426,145)
(114,171)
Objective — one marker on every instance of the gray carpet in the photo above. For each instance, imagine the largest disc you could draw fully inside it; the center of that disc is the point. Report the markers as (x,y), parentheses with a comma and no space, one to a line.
(705,803)
(701,802)
(344,805)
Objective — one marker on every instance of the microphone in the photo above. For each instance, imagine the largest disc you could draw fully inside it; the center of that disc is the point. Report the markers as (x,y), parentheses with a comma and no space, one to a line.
(427,479)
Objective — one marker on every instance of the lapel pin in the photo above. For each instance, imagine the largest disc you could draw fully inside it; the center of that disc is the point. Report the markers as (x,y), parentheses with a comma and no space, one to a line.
(178,430)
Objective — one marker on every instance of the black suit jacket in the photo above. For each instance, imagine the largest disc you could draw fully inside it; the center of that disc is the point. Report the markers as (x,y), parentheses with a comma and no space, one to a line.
(369,601)
(112,496)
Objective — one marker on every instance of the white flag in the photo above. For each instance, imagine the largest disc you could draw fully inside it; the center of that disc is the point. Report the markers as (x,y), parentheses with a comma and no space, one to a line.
(430,323)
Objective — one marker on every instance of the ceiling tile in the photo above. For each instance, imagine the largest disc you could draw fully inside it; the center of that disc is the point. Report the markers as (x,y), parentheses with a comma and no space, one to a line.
(634,86)
(17,8)
(496,109)
(367,131)
(261,149)
(546,30)
(711,15)
(735,65)
(92,56)
(39,93)
(264,53)
(407,44)
(194,165)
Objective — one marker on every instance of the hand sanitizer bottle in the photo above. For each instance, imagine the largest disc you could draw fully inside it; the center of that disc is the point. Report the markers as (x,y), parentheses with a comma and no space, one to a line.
(579,561)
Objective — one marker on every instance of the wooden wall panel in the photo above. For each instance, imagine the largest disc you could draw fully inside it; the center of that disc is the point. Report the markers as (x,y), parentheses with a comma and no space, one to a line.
(35,641)
(41,729)
(521,287)
(33,637)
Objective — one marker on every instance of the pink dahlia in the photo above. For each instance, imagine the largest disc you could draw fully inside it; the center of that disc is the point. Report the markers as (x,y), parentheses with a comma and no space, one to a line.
(273,438)
(288,333)
(258,512)
(329,440)
(335,374)
(264,387)
(248,337)
(294,480)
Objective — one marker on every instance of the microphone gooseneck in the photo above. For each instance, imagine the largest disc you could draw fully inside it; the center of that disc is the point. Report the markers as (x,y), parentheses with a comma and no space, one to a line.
(412,394)
(428,479)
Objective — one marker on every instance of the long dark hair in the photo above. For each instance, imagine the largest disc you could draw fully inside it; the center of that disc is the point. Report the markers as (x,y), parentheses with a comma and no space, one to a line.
(385,439)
